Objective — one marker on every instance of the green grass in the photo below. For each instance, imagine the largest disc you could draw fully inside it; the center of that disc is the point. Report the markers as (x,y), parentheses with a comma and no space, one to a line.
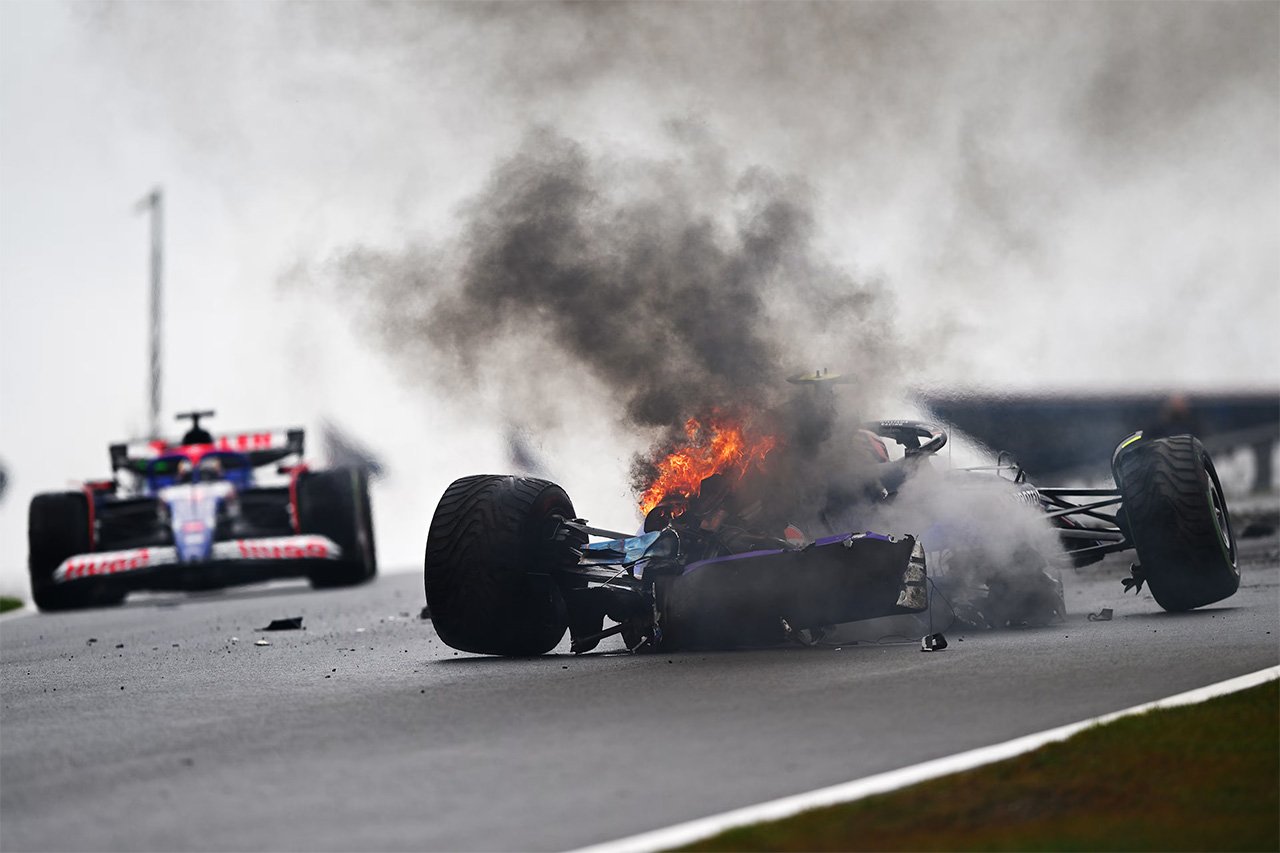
(1201,777)
(8,602)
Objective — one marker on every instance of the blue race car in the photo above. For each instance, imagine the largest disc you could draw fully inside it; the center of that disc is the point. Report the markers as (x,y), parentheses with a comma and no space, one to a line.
(192,515)
(509,567)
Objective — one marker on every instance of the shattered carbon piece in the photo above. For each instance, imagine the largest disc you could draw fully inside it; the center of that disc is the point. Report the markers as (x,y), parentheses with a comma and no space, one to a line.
(293,623)
(1137,577)
(933,643)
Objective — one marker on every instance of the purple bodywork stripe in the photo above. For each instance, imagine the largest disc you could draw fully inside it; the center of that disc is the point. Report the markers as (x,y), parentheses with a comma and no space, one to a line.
(826,540)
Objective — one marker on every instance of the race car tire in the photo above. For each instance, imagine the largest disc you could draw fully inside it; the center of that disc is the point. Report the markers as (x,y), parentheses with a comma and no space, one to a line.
(489,563)
(1174,511)
(58,528)
(336,504)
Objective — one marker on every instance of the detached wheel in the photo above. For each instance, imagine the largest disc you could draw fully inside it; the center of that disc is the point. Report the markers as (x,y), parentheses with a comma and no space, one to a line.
(336,504)
(58,528)
(489,564)
(1178,520)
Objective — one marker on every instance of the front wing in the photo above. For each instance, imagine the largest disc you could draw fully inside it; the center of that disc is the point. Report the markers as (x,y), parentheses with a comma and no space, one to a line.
(231,562)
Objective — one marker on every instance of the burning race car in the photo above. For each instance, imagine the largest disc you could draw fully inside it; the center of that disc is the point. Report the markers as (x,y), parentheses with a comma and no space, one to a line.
(509,567)
(192,516)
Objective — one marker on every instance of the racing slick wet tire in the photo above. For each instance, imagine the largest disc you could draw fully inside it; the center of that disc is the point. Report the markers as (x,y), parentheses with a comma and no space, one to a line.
(336,504)
(58,528)
(1176,515)
(489,564)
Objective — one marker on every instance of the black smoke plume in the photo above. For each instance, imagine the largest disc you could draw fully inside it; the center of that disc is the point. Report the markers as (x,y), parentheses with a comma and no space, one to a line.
(682,288)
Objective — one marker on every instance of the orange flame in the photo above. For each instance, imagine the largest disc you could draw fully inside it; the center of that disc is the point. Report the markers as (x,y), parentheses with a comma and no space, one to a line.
(722,446)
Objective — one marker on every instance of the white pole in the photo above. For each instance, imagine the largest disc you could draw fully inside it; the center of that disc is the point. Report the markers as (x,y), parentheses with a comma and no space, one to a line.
(154,203)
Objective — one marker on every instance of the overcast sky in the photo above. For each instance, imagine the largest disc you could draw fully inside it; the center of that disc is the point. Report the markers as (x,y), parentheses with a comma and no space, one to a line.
(1063,196)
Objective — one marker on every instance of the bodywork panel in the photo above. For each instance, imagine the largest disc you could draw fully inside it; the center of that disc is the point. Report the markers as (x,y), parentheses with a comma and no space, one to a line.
(757,597)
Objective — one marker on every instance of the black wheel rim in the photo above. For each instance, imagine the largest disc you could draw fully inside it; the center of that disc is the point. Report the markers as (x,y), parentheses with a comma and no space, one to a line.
(1221,518)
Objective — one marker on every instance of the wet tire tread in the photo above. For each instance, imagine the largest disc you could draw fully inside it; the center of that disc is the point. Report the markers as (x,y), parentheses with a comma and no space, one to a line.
(1165,485)
(480,568)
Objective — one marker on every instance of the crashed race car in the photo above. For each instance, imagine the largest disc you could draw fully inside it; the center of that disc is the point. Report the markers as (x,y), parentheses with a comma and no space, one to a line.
(192,516)
(510,567)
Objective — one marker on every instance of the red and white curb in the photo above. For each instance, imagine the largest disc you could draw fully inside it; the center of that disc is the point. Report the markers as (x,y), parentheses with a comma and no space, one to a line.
(694,830)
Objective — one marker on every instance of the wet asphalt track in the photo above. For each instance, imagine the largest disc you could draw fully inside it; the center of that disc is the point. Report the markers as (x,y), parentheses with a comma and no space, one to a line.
(364,732)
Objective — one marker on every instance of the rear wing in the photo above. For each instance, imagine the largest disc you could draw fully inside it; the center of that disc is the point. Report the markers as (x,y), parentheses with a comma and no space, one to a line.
(262,448)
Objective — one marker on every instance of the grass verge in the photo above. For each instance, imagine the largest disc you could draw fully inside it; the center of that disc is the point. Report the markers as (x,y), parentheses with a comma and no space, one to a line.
(8,602)
(1200,777)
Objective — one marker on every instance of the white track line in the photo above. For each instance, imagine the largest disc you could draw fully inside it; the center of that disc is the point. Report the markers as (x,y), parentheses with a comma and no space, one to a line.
(694,830)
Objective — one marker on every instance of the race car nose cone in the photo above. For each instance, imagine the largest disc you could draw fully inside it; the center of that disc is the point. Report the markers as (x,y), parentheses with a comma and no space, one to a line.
(193,540)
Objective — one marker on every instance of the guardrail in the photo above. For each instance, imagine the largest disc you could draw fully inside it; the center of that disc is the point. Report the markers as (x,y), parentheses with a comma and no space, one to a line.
(1260,441)
(1053,434)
